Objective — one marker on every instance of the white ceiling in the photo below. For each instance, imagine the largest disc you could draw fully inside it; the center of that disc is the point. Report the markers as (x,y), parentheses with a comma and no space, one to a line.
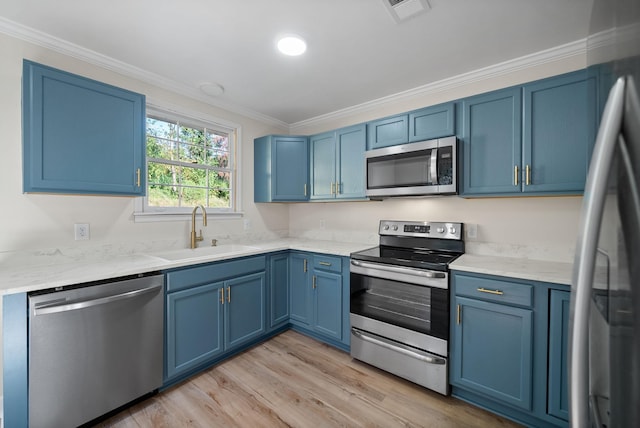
(356,52)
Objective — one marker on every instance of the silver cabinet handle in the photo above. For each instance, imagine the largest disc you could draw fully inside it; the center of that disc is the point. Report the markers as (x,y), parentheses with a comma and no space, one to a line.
(393,347)
(405,270)
(592,210)
(55,308)
(434,166)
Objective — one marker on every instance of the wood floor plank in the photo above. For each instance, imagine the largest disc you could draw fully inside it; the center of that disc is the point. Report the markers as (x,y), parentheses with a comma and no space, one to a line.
(295,381)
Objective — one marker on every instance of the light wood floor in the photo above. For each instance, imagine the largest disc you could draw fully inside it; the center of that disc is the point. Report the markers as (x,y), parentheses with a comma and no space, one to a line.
(294,381)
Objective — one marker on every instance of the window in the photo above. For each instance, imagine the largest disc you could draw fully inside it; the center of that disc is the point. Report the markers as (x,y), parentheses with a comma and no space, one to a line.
(189,162)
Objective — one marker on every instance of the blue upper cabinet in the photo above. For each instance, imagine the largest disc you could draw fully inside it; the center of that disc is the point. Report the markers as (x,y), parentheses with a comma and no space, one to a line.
(281,169)
(323,165)
(535,139)
(560,116)
(80,136)
(491,143)
(388,132)
(337,164)
(432,122)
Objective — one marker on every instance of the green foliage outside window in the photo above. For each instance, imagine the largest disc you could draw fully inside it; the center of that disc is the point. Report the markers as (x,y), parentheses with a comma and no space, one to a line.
(187,166)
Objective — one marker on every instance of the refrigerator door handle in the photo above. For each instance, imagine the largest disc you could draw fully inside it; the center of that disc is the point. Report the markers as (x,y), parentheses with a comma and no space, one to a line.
(586,247)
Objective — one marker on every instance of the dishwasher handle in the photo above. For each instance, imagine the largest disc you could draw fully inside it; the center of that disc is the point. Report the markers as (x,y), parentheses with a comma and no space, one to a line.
(56,308)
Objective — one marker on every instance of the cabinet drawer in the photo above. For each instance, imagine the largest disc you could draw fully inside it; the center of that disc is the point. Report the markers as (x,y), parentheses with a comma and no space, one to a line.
(190,277)
(494,290)
(328,263)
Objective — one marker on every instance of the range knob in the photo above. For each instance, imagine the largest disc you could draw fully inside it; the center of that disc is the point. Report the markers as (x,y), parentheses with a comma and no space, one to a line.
(386,227)
(452,230)
(440,230)
(395,227)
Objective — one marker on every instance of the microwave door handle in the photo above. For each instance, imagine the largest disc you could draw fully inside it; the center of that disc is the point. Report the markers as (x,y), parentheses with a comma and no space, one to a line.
(434,166)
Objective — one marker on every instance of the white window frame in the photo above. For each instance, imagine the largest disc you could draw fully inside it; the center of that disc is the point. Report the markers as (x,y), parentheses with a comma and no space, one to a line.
(145,213)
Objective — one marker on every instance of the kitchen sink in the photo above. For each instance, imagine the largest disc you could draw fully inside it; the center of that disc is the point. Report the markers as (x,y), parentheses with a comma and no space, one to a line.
(202,252)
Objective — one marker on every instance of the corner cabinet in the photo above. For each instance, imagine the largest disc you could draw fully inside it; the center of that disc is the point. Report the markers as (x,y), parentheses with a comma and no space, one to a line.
(319,296)
(278,290)
(509,347)
(212,309)
(337,164)
(531,139)
(80,136)
(281,169)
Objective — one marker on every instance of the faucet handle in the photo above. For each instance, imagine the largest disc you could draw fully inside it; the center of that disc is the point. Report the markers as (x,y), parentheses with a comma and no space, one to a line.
(199,237)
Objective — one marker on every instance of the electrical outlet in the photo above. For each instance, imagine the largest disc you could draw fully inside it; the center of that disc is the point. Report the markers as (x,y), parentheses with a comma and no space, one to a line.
(322,224)
(472,230)
(247,224)
(81,231)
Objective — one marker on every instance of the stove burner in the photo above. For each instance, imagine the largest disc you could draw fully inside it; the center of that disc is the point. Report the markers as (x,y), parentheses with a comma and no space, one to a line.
(405,247)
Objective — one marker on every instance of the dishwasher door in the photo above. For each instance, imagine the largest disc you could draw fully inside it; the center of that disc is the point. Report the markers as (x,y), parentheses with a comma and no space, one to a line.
(93,349)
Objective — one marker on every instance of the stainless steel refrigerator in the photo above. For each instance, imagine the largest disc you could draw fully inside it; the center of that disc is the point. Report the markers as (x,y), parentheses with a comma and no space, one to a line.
(604,344)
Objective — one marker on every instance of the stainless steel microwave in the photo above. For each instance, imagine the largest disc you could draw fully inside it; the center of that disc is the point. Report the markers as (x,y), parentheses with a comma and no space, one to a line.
(422,168)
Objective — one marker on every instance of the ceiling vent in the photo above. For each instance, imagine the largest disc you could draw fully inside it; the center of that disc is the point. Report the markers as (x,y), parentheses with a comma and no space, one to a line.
(401,10)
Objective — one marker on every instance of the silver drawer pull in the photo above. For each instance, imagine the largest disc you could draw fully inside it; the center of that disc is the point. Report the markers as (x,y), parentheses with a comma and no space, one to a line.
(484,290)
(325,263)
(392,347)
(404,270)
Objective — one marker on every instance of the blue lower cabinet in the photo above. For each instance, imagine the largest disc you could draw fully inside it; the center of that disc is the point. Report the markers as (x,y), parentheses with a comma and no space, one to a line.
(494,350)
(15,366)
(244,309)
(558,352)
(318,299)
(278,290)
(212,309)
(300,288)
(194,327)
(508,347)
(327,303)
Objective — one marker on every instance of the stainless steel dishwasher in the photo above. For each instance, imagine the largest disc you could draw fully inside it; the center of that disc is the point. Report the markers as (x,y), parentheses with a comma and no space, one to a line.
(93,348)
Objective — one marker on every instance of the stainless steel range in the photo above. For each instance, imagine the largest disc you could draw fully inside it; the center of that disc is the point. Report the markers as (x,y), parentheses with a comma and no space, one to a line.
(400,300)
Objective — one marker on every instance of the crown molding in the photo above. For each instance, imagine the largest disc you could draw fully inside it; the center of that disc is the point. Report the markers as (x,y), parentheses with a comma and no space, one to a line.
(64,47)
(39,38)
(576,48)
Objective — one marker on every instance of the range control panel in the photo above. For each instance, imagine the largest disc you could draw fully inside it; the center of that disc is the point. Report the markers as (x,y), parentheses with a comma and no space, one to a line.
(422,229)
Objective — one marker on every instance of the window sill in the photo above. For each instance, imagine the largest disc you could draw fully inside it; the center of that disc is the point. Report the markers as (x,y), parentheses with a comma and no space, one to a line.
(141,217)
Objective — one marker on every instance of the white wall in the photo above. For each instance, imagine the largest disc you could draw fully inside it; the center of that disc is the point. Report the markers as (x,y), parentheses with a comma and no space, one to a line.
(31,222)
(35,221)
(536,227)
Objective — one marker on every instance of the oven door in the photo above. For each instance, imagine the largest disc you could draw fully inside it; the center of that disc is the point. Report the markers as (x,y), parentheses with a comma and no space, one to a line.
(414,300)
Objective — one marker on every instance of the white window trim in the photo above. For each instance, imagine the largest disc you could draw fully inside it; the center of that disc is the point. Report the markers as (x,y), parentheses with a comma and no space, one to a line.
(184,214)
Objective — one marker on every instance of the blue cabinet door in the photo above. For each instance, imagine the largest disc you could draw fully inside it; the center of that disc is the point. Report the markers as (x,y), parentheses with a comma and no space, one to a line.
(281,169)
(560,116)
(244,311)
(299,289)
(327,303)
(194,327)
(432,122)
(492,351)
(492,143)
(81,136)
(323,165)
(278,290)
(351,144)
(558,398)
(389,131)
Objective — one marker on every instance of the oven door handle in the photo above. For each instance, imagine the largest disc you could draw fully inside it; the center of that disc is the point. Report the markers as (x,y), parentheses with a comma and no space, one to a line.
(404,270)
(393,347)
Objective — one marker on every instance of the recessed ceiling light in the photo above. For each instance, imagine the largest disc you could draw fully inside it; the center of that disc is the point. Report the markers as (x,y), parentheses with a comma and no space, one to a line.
(292,45)
(212,89)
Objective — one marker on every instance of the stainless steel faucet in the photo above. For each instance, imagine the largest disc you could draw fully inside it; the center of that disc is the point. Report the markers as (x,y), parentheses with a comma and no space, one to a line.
(195,238)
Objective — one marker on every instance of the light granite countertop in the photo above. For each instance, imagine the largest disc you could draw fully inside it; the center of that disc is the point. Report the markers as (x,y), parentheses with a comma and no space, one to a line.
(522,268)
(59,270)
(39,275)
